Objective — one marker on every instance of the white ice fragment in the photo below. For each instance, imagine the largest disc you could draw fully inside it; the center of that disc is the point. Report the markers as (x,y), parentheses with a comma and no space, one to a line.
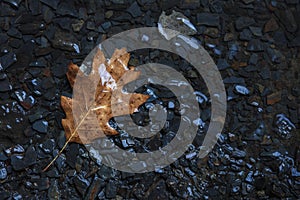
(199,122)
(276,154)
(190,41)
(32,100)
(45,123)
(18,149)
(242,89)
(166,33)
(211,45)
(188,23)
(76,47)
(95,154)
(145,38)
(34,82)
(200,97)
(106,78)
(282,117)
(254,103)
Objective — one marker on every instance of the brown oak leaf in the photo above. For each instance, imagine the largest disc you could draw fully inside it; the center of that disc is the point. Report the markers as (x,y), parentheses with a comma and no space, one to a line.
(97,97)
(91,110)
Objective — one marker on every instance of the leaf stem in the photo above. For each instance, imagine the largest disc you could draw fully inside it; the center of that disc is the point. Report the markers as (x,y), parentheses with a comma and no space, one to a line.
(67,142)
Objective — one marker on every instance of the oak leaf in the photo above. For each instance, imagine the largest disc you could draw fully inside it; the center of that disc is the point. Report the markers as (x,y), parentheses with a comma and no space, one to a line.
(109,76)
(97,97)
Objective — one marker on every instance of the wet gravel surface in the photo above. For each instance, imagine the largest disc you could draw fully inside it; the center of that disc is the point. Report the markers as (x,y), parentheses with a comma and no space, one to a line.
(255,45)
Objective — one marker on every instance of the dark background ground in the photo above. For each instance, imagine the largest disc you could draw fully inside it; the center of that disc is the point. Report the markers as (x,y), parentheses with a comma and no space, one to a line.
(254,43)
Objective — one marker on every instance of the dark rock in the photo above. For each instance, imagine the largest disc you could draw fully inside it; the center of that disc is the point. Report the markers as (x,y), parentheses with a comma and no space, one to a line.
(256,31)
(208,19)
(111,190)
(238,153)
(3,157)
(253,59)
(26,101)
(295,91)
(166,4)
(14,3)
(216,7)
(40,183)
(38,115)
(65,41)
(105,26)
(286,17)
(292,1)
(53,3)
(212,32)
(50,94)
(94,189)
(270,26)
(13,32)
(279,38)
(245,35)
(5,85)
(157,190)
(15,43)
(48,146)
(81,184)
(31,28)
(72,155)
(135,10)
(3,76)
(190,4)
(109,14)
(77,25)
(53,173)
(248,1)
(244,22)
(4,194)
(7,60)
(24,54)
(48,15)
(35,7)
(40,126)
(296,41)
(255,45)
(53,191)
(3,38)
(274,55)
(234,79)
(229,37)
(60,162)
(178,188)
(28,160)
(61,139)
(90,25)
(67,9)
(265,73)
(222,64)
(63,22)
(30,156)
(17,163)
